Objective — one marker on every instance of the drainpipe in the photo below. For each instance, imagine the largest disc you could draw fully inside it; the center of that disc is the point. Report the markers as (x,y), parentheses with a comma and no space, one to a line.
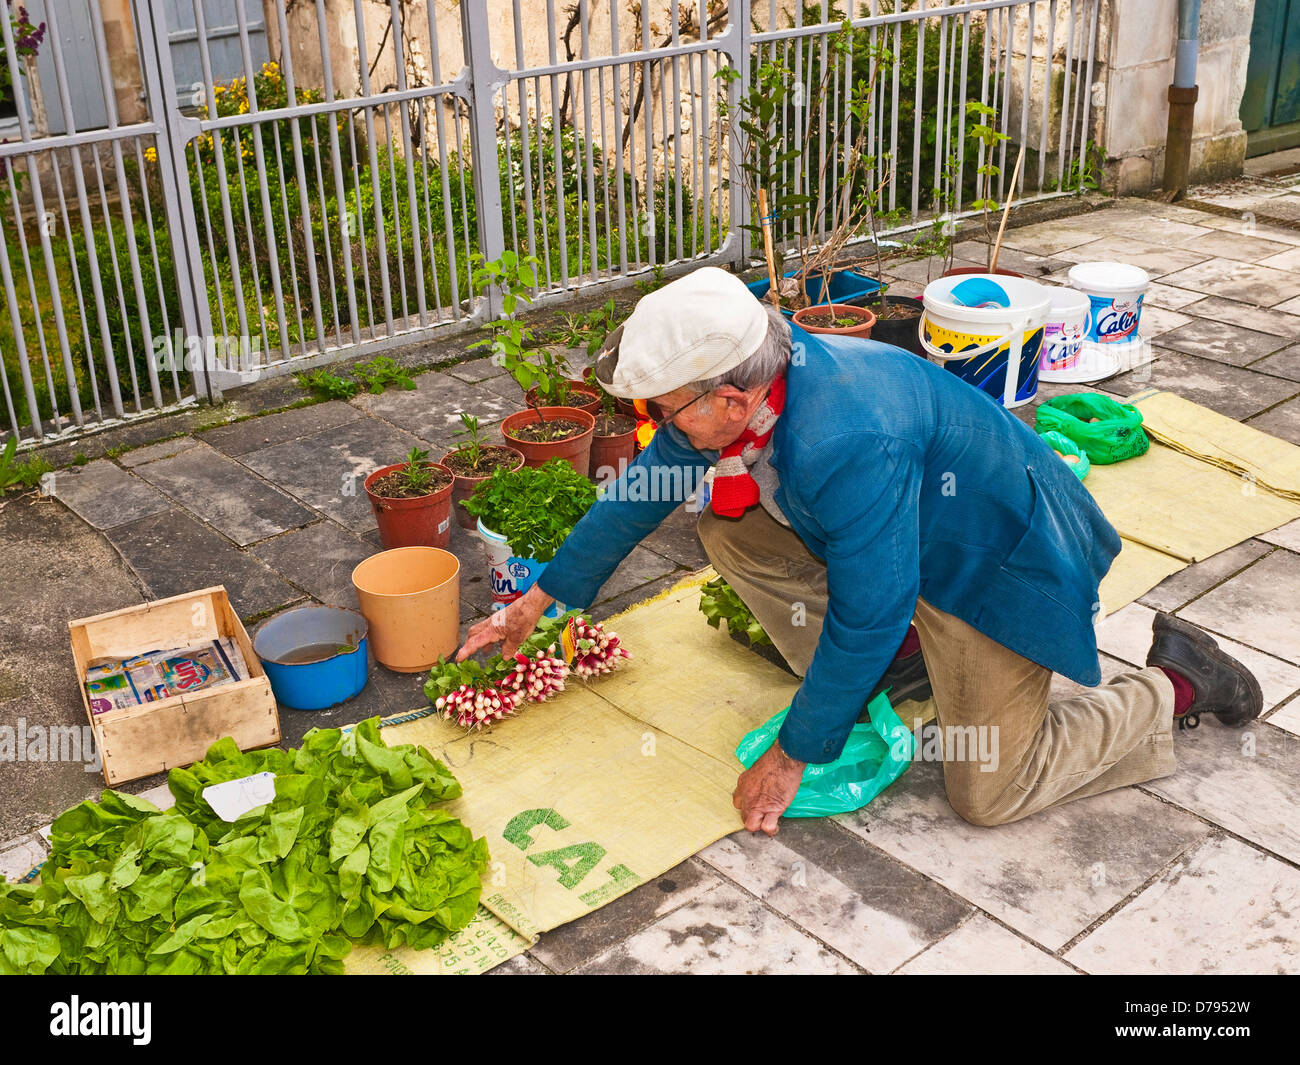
(1182,101)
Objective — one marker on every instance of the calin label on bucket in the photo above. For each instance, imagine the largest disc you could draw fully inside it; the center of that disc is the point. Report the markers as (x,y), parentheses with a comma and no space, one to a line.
(1115,319)
(509,582)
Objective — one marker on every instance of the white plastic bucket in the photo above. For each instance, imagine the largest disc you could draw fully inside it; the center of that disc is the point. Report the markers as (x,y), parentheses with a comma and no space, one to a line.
(1067,324)
(510,575)
(1115,291)
(996,349)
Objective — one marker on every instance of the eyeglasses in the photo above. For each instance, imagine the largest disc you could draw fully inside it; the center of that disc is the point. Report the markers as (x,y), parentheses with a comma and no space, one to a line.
(651,410)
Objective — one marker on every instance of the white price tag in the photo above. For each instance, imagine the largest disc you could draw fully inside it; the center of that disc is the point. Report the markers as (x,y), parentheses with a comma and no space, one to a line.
(234,798)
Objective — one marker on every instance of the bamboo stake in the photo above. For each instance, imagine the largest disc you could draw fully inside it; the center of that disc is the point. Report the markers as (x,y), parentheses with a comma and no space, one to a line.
(1011,192)
(766,223)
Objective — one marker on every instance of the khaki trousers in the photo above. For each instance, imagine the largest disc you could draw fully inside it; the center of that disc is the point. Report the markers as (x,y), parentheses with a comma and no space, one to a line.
(1026,751)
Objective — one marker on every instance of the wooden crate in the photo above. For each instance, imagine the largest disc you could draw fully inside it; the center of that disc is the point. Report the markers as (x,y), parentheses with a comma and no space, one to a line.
(141,740)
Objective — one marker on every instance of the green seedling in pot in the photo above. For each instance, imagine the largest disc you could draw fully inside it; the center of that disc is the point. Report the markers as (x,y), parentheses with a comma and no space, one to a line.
(417,476)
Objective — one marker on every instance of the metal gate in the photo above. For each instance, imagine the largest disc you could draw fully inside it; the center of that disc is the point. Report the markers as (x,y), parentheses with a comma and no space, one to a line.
(331,201)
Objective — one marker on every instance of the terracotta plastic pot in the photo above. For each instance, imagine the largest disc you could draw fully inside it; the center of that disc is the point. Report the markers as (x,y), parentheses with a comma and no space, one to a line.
(613,452)
(575,450)
(423,521)
(578,390)
(464,486)
(410,598)
(839,310)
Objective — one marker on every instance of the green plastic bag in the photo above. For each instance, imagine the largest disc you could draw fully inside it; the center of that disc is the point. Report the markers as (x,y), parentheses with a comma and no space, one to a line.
(876,754)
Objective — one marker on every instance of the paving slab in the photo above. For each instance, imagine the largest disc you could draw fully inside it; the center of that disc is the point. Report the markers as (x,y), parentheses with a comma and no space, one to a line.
(318,559)
(1264,319)
(724,932)
(164,449)
(223,493)
(637,570)
(1023,262)
(851,896)
(326,470)
(1246,780)
(1230,390)
(519,965)
(1223,341)
(173,553)
(1126,634)
(20,859)
(1257,607)
(1172,299)
(1240,246)
(572,945)
(1151,223)
(1285,363)
(677,539)
(1157,321)
(923,271)
(1156,259)
(476,370)
(1281,421)
(1287,536)
(1284,259)
(432,409)
(1182,587)
(105,496)
(1056,237)
(1288,717)
(982,947)
(1048,876)
(253,434)
(1247,282)
(1223,908)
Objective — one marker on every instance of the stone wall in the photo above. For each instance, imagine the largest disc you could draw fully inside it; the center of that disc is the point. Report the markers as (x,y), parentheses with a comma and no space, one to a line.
(1131,89)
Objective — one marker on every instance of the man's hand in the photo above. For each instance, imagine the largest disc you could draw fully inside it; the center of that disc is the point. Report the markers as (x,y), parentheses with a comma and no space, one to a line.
(766,788)
(510,626)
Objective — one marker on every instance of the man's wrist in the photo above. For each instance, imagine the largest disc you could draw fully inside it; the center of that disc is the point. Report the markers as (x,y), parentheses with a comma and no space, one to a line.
(786,759)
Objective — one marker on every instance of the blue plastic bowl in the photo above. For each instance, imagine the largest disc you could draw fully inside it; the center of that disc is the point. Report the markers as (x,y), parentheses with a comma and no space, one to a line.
(845,285)
(299,651)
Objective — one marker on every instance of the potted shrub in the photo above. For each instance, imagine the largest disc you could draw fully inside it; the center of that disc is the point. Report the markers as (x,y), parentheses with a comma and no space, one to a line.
(473,462)
(540,433)
(524,516)
(839,319)
(411,502)
(613,441)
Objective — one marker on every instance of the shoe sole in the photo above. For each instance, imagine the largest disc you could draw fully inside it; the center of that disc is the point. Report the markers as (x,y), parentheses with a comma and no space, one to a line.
(1178,627)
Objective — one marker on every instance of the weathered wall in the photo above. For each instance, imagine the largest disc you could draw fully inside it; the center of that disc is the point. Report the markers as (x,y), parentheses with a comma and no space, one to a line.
(1134,82)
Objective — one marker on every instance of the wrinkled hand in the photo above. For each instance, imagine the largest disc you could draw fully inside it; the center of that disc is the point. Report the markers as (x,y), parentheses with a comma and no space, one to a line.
(510,626)
(766,788)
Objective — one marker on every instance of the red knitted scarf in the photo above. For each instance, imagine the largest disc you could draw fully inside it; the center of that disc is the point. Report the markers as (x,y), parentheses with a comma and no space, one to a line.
(734,490)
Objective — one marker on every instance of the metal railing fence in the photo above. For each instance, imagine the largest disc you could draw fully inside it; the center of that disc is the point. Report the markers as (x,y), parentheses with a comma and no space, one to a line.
(281,214)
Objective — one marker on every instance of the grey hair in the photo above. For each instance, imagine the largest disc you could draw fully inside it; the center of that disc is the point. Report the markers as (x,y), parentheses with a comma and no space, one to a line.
(768,362)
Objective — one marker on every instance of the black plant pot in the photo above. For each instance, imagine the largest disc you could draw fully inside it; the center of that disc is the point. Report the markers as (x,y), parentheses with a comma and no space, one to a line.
(903,333)
(765,651)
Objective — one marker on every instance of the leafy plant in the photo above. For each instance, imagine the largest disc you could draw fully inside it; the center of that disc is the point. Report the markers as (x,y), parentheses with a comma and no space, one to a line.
(380,372)
(417,475)
(324,384)
(350,850)
(719,602)
(20,475)
(472,448)
(535,509)
(981,131)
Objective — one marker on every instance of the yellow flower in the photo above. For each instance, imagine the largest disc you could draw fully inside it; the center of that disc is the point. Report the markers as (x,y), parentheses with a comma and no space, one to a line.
(219,89)
(151,154)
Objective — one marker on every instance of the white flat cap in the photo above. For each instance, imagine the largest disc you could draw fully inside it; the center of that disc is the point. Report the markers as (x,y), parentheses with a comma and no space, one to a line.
(696,327)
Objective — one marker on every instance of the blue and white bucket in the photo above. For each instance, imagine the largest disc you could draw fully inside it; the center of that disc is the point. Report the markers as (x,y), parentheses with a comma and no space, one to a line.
(1068,322)
(994,348)
(1115,291)
(511,576)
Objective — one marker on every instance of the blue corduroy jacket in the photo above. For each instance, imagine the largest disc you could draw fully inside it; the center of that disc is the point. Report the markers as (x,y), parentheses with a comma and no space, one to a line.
(907,481)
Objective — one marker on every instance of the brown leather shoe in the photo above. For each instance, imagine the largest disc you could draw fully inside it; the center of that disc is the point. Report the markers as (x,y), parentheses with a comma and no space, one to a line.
(1220,684)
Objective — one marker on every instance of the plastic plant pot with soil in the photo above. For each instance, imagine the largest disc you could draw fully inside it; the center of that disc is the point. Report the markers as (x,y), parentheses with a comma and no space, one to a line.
(898,321)
(613,446)
(544,433)
(836,319)
(569,393)
(411,502)
(472,462)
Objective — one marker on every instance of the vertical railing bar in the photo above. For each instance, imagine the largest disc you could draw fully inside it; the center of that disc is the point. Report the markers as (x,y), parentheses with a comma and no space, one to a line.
(675,36)
(470,237)
(666,229)
(212,250)
(417,251)
(288,230)
(381,234)
(1004,118)
(304,197)
(1076,102)
(117,274)
(422,126)
(157,263)
(557,157)
(630,176)
(251,230)
(223,183)
(1065,98)
(647,108)
(604,168)
(510,175)
(1024,98)
(620,196)
(696,178)
(76,284)
(386,112)
(20,342)
(588,161)
(943,102)
(541,183)
(1087,90)
(916,118)
(329,247)
(439,120)
(361,224)
(960,176)
(263,180)
(1049,58)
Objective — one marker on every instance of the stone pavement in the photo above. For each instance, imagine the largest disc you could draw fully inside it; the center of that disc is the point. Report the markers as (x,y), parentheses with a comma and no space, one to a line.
(1199,872)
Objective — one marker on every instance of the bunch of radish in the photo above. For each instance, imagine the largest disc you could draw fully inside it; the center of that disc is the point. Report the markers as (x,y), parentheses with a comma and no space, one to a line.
(475,707)
(599,652)
(536,677)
